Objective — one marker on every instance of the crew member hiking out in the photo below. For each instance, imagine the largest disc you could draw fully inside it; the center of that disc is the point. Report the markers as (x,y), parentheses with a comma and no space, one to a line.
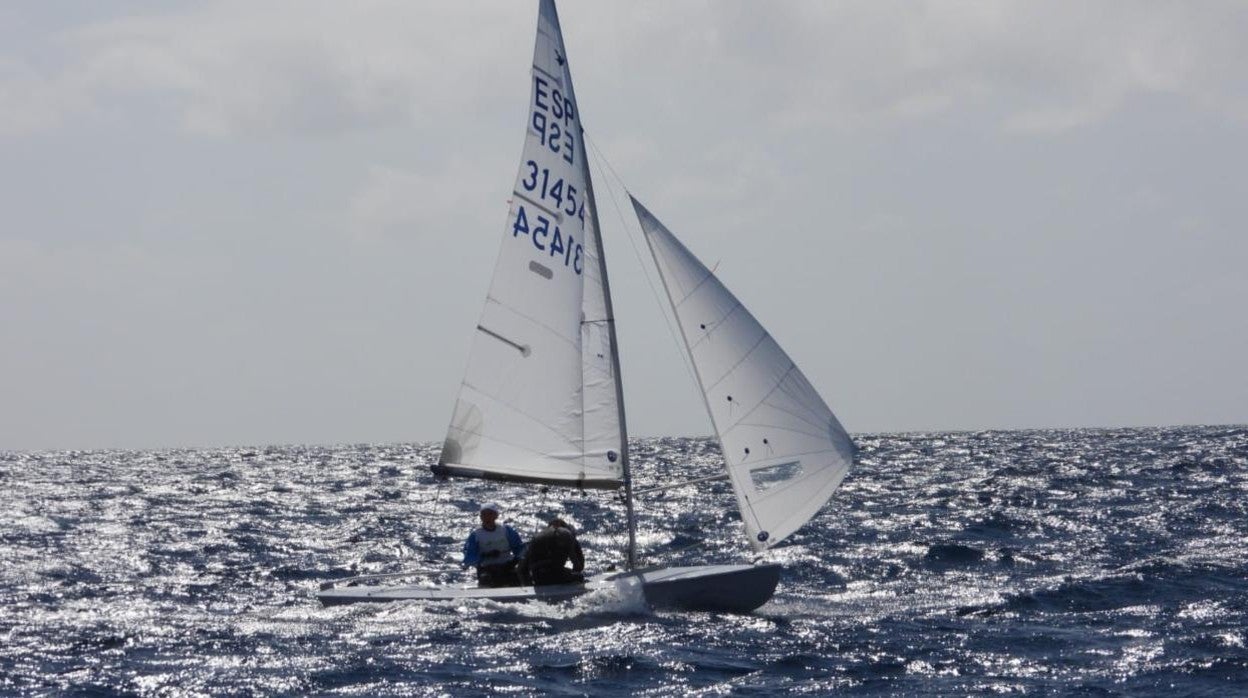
(547,554)
(495,549)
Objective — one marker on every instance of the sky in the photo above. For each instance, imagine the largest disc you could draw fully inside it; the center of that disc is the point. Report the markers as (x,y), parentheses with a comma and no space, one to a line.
(273,222)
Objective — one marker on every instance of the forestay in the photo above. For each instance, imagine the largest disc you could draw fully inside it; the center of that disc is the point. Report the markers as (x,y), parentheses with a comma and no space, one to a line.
(539,401)
(785,451)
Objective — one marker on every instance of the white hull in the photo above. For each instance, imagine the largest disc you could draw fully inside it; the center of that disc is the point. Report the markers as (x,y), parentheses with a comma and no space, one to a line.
(731,588)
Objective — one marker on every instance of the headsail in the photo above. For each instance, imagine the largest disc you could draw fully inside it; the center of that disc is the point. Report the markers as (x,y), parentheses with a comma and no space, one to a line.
(540,399)
(786,452)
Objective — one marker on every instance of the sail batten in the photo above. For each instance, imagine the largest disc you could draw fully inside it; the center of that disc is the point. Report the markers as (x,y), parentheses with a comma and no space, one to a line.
(784,450)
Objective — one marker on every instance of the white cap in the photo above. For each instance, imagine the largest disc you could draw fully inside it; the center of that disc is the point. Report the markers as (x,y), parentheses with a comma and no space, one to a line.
(491,506)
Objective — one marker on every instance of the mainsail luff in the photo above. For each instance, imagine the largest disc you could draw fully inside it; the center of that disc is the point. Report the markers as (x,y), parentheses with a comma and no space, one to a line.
(792,453)
(540,401)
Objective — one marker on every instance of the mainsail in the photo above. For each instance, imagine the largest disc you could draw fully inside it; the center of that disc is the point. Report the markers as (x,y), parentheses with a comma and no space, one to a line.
(785,451)
(540,400)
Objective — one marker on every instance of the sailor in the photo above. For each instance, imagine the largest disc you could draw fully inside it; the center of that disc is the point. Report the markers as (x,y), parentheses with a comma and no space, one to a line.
(495,549)
(546,556)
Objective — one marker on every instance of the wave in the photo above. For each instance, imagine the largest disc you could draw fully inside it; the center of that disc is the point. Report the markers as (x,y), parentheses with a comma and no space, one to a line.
(953,554)
(1149,583)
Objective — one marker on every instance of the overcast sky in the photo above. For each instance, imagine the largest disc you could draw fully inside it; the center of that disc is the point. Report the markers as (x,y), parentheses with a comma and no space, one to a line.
(274,222)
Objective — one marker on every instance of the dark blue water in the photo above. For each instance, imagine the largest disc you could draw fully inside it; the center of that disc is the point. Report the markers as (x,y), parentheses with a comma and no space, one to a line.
(1106,562)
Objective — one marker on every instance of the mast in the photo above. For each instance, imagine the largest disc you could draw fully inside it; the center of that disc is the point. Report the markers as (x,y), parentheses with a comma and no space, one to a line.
(630,560)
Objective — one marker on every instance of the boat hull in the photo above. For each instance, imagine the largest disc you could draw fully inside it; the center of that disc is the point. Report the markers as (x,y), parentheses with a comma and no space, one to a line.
(724,588)
(730,588)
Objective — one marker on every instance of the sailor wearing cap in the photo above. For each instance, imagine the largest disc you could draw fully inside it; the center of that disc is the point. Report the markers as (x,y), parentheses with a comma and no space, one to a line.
(494,549)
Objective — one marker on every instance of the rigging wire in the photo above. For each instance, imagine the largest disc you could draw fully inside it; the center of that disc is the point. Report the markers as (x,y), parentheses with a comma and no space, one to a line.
(600,160)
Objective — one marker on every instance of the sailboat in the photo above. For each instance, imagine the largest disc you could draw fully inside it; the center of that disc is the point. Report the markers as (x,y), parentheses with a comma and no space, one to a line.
(542,398)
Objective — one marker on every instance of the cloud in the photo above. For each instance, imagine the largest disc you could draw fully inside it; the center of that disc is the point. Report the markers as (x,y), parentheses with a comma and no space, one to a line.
(246,67)
(31,101)
(389,200)
(1039,67)
(396,202)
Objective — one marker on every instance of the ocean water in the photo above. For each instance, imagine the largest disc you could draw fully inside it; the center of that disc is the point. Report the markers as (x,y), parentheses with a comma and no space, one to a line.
(1103,562)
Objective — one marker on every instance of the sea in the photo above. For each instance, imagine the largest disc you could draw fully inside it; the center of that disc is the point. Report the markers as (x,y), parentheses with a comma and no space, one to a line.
(1051,562)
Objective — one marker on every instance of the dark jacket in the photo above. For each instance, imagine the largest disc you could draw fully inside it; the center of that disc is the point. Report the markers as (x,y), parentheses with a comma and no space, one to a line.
(547,554)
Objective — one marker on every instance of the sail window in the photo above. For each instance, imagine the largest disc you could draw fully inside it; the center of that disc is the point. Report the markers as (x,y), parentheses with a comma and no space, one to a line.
(772,475)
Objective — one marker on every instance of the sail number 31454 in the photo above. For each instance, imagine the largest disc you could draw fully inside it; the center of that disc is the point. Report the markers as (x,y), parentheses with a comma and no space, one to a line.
(550,240)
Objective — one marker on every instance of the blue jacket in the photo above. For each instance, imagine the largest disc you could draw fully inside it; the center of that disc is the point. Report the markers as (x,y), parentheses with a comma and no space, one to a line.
(472,553)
